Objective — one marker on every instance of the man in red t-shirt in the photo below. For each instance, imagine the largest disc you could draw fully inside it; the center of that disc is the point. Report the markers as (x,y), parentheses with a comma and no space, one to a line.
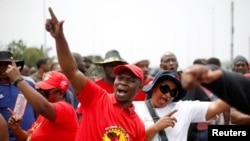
(106,116)
(111,60)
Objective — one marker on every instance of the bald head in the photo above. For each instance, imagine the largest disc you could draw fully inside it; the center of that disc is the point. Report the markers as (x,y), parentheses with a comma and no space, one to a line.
(169,61)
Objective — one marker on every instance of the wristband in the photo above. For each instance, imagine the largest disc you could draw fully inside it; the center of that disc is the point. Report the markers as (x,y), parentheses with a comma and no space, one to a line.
(19,79)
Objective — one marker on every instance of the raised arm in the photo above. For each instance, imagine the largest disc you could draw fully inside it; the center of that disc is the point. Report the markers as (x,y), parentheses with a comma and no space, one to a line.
(240,118)
(65,58)
(231,87)
(215,108)
(40,104)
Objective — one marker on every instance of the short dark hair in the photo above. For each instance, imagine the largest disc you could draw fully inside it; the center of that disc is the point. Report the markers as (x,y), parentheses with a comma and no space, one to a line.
(41,62)
(214,61)
(199,61)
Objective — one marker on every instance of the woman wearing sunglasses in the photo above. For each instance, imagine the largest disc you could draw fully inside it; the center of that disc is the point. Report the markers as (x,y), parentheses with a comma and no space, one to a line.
(57,119)
(174,115)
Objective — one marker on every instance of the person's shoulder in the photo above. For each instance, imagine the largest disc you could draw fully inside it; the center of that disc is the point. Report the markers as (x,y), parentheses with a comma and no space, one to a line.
(99,80)
(183,103)
(191,103)
(64,104)
(139,104)
(35,77)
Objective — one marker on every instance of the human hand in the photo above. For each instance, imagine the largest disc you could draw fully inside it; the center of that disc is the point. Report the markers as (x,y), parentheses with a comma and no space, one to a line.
(14,121)
(13,71)
(194,75)
(166,121)
(54,26)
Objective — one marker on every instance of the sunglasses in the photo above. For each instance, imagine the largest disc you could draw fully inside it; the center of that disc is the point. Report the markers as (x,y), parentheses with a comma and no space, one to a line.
(164,88)
(46,93)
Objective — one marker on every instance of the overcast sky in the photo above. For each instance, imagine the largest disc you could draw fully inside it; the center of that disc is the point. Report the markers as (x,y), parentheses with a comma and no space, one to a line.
(189,28)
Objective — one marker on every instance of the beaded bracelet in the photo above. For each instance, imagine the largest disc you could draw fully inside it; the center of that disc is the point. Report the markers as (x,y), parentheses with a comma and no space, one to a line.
(19,79)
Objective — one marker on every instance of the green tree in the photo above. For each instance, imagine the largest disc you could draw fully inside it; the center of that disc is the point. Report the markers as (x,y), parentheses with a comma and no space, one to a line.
(29,54)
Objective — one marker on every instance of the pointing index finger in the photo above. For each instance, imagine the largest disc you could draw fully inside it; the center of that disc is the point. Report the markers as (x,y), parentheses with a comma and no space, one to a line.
(53,16)
(172,112)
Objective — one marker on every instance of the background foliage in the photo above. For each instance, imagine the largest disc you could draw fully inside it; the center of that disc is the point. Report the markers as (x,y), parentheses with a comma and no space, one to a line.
(31,54)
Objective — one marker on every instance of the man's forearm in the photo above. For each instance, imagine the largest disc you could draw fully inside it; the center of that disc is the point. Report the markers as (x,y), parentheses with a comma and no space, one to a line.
(151,131)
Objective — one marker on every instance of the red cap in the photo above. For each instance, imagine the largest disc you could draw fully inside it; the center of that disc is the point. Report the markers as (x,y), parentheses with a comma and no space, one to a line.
(54,80)
(133,68)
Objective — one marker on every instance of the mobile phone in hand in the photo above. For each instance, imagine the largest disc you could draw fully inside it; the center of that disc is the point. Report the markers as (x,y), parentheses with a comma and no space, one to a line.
(20,106)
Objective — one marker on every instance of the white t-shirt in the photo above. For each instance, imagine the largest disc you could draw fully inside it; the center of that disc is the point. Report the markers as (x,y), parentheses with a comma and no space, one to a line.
(188,111)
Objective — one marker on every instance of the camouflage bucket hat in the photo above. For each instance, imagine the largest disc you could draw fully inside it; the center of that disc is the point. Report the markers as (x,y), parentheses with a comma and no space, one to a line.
(111,56)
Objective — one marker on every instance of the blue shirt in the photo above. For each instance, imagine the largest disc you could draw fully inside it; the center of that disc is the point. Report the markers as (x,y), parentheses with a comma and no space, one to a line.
(8,96)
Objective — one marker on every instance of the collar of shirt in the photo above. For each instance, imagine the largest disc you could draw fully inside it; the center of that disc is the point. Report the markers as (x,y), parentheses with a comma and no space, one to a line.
(130,110)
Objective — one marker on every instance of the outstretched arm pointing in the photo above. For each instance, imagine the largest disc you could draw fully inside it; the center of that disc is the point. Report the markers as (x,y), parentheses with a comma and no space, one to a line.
(65,58)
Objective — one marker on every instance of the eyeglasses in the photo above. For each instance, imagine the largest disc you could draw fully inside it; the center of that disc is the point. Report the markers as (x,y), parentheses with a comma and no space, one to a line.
(46,93)
(164,88)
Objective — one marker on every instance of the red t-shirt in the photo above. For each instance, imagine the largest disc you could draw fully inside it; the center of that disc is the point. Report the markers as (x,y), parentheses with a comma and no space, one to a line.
(108,87)
(100,82)
(141,95)
(63,129)
(105,120)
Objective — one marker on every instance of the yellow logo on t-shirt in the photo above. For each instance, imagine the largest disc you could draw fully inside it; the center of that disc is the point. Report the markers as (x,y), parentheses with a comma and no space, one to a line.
(115,133)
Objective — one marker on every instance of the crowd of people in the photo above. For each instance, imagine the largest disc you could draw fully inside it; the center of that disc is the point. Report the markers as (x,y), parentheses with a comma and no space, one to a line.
(75,98)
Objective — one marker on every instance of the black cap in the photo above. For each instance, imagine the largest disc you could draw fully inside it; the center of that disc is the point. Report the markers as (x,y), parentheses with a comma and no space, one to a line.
(5,57)
(165,75)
